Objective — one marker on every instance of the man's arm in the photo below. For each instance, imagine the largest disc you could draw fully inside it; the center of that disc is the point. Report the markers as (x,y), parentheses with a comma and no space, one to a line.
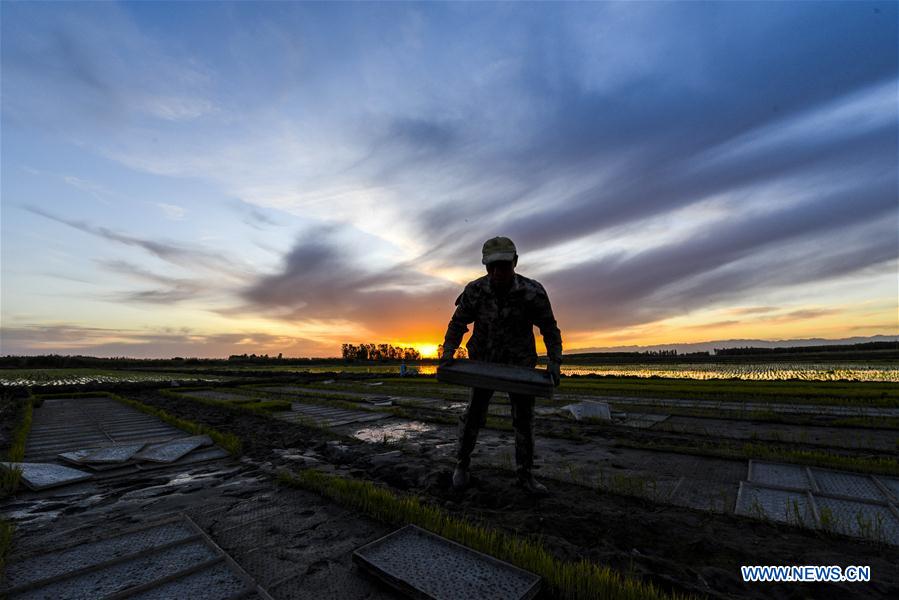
(458,325)
(552,337)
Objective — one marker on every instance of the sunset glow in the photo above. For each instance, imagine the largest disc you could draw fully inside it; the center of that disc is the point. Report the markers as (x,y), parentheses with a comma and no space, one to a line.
(426,350)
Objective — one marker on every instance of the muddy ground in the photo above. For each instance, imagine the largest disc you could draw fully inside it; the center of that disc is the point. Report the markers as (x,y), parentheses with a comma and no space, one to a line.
(293,543)
(680,549)
(791,431)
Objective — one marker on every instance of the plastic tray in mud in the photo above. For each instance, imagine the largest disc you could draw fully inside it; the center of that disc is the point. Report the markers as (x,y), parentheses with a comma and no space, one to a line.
(426,566)
(40,476)
(502,378)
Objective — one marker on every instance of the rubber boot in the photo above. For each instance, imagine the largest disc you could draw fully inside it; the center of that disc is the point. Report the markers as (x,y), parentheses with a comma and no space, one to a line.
(461,477)
(527,482)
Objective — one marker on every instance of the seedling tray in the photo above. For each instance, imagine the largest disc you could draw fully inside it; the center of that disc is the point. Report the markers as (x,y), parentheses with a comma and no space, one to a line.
(40,476)
(502,378)
(425,566)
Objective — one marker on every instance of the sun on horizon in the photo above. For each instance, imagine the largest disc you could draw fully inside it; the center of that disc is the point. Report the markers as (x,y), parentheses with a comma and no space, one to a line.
(426,350)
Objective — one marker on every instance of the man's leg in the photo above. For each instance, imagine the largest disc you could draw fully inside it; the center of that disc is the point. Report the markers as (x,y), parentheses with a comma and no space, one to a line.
(471,421)
(474,417)
(523,422)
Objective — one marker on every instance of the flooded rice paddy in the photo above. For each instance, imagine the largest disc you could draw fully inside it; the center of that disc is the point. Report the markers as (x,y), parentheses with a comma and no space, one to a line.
(886,371)
(835,371)
(60,377)
(761,371)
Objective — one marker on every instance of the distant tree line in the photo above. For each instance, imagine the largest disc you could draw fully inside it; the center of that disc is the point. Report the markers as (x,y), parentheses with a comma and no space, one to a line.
(254,358)
(461,352)
(867,346)
(60,361)
(638,355)
(378,352)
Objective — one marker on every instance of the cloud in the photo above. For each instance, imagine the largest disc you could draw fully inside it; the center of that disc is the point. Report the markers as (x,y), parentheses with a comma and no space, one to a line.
(177,109)
(784,318)
(172,290)
(641,185)
(110,72)
(258,219)
(713,325)
(534,123)
(171,211)
(751,310)
(320,279)
(96,191)
(775,250)
(174,253)
(163,343)
(810,313)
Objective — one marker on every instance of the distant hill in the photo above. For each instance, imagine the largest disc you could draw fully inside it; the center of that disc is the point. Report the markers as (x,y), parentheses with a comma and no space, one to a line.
(710,346)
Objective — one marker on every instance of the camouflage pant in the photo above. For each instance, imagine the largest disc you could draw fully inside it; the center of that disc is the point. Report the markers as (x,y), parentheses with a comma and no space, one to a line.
(475,417)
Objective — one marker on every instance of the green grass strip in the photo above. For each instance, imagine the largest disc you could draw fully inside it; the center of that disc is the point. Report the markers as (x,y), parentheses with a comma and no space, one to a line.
(567,580)
(7,530)
(856,393)
(10,478)
(877,465)
(841,393)
(230,442)
(882,465)
(268,405)
(866,422)
(252,407)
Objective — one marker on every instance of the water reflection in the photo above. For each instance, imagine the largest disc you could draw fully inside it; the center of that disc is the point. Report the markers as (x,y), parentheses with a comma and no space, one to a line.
(824,371)
(832,371)
(392,432)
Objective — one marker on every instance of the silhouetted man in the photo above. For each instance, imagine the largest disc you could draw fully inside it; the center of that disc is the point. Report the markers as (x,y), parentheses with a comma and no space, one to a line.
(504,307)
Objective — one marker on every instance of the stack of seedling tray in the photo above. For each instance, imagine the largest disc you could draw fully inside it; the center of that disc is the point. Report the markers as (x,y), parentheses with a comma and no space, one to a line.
(501,378)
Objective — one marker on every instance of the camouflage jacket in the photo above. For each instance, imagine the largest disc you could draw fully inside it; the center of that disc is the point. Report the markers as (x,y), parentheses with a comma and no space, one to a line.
(504,323)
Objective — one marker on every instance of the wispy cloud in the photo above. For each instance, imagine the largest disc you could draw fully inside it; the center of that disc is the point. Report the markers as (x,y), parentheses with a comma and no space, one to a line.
(172,252)
(98,341)
(99,192)
(790,317)
(171,291)
(171,211)
(103,64)
(722,266)
(751,310)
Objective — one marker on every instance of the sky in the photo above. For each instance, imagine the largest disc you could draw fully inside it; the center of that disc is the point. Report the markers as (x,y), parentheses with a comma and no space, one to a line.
(205,179)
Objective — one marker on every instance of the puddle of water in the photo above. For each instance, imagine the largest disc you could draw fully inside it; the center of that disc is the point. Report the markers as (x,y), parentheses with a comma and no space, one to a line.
(33,511)
(392,432)
(188,477)
(33,518)
(183,478)
(454,406)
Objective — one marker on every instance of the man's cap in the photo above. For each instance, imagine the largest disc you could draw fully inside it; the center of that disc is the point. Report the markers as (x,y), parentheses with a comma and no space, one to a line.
(498,248)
